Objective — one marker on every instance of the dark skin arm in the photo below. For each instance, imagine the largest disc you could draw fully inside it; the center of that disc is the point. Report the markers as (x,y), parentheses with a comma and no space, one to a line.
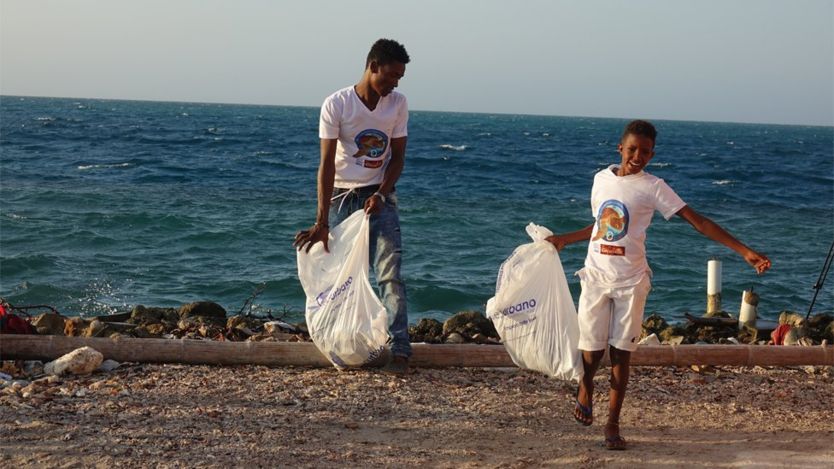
(560,241)
(713,231)
(327,173)
(702,224)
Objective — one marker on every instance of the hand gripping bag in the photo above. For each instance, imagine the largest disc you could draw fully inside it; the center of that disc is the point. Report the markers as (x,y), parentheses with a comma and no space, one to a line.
(346,320)
(533,311)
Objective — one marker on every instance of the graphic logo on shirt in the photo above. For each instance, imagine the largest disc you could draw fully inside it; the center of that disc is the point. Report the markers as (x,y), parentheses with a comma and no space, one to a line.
(371,143)
(612,221)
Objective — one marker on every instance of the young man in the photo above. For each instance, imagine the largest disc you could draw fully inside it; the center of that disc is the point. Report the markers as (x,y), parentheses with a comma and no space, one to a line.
(363,131)
(616,277)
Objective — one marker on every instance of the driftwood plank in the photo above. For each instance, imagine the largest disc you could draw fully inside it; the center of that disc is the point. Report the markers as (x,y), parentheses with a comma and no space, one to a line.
(43,347)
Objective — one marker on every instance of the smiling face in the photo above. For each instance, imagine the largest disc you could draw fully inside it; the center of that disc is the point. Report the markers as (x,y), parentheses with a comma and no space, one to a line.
(636,152)
(384,78)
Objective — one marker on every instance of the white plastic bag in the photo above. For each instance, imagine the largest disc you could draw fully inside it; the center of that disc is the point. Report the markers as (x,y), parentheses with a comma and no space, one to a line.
(346,320)
(533,311)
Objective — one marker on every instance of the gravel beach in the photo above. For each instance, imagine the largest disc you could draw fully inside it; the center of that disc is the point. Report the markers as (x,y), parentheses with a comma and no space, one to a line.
(195,416)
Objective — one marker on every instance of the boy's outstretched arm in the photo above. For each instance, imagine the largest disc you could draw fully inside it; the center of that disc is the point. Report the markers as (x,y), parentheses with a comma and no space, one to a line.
(561,241)
(713,231)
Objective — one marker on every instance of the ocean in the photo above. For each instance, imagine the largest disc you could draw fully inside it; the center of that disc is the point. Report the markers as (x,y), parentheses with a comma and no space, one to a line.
(108,204)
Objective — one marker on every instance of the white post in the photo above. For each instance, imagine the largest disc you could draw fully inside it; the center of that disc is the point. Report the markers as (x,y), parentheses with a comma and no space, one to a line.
(747,313)
(713,286)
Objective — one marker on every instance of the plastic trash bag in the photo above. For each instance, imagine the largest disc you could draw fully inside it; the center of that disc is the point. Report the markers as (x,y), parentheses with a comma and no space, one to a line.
(346,320)
(533,311)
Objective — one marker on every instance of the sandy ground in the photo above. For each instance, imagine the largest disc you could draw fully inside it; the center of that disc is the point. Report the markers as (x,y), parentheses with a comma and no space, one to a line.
(193,416)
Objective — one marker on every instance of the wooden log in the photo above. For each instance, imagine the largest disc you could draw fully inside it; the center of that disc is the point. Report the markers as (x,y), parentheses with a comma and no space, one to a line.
(44,347)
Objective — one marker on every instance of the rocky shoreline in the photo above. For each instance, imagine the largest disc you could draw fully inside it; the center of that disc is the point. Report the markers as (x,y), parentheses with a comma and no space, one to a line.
(206,320)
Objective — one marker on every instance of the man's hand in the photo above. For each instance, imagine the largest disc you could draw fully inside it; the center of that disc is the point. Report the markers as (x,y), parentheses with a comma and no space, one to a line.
(557,241)
(760,262)
(373,204)
(318,232)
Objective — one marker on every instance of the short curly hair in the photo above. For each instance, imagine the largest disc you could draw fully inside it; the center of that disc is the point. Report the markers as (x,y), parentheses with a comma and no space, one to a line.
(386,51)
(642,128)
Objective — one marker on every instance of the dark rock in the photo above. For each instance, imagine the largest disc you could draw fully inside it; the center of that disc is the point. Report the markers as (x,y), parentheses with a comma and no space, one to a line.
(49,324)
(653,324)
(243,322)
(748,334)
(150,315)
(668,334)
(208,309)
(469,323)
(427,330)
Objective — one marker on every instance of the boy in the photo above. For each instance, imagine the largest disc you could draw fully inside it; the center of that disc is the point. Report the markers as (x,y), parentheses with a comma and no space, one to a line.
(616,277)
(363,131)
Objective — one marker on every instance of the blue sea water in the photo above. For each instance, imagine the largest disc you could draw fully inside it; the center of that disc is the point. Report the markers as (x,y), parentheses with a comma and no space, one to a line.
(108,204)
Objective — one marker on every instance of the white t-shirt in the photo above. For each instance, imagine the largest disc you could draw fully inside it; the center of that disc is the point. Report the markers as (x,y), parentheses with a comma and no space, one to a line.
(623,207)
(364,136)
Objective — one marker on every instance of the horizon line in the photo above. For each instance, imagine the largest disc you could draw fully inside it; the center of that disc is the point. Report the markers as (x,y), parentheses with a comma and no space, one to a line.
(226,103)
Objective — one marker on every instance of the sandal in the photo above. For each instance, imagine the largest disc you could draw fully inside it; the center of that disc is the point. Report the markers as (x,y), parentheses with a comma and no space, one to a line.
(615,442)
(583,414)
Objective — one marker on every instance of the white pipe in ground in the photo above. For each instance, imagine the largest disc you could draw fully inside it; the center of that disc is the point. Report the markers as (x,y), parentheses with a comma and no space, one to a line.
(713,286)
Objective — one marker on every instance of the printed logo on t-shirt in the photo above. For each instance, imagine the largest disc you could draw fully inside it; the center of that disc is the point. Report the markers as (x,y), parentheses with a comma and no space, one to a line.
(611,250)
(612,221)
(371,143)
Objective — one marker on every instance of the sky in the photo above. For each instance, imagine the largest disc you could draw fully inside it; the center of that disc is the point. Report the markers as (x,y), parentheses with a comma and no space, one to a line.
(758,61)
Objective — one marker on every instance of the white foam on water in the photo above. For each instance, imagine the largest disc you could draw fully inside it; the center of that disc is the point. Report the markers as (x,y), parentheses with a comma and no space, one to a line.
(446,146)
(104,166)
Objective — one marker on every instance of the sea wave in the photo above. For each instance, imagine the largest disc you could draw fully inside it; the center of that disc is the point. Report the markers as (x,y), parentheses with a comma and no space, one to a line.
(447,146)
(723,182)
(104,166)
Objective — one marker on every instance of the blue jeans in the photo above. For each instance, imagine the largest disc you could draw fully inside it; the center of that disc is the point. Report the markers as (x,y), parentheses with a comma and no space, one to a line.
(385,257)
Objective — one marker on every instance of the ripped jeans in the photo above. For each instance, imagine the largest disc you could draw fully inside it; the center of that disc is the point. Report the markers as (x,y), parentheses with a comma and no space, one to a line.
(385,257)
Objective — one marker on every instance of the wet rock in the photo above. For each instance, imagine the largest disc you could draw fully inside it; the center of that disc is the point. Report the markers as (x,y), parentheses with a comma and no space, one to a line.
(207,309)
(427,330)
(820,327)
(49,324)
(469,323)
(80,361)
(144,315)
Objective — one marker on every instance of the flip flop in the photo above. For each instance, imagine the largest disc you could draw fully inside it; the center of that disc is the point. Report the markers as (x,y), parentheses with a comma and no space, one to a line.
(587,413)
(615,443)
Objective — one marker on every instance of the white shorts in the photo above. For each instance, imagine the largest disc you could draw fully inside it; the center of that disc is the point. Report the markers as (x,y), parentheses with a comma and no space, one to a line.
(612,316)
